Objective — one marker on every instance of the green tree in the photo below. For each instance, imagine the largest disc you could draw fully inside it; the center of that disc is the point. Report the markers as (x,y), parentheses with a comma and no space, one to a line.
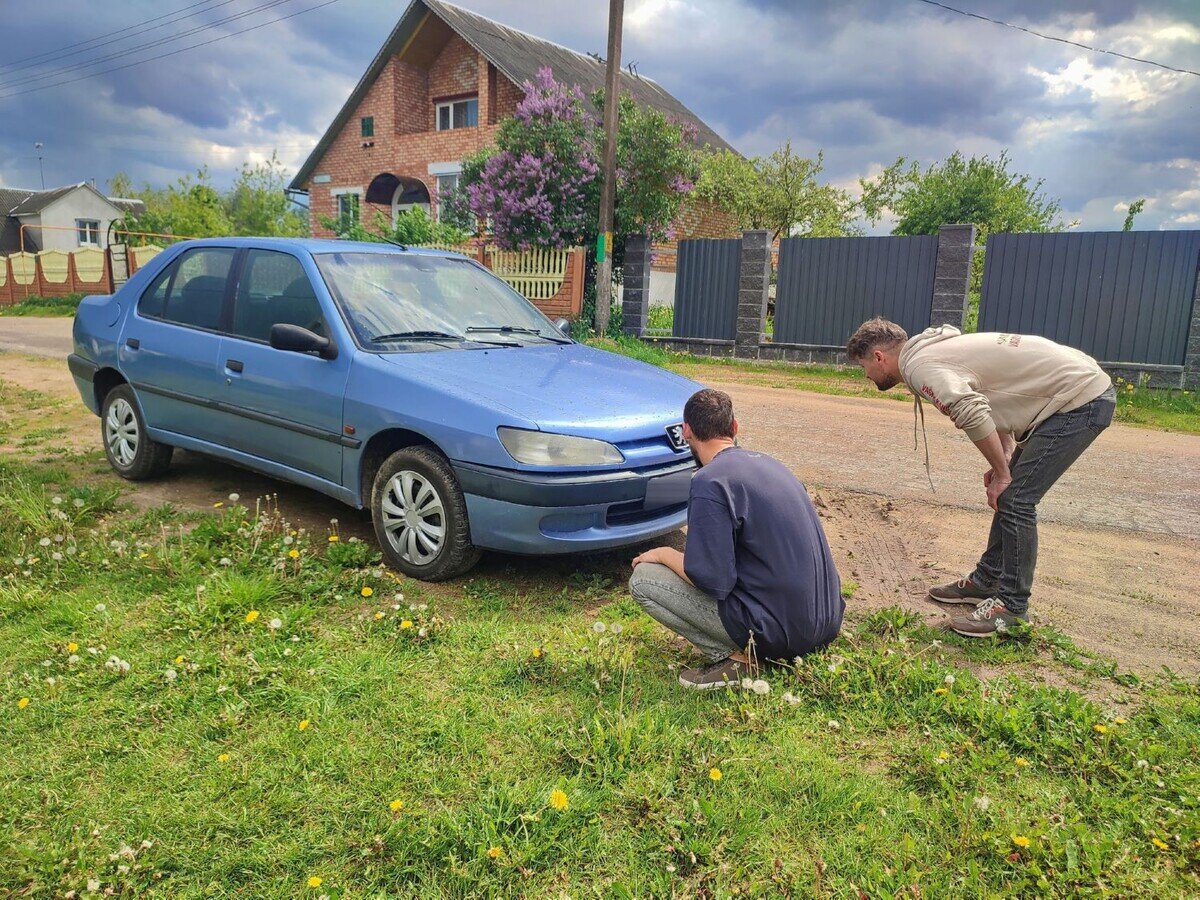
(412,226)
(258,203)
(779,192)
(1134,208)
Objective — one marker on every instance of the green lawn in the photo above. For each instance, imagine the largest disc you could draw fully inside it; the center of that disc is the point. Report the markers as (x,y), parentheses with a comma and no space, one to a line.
(215,703)
(44,306)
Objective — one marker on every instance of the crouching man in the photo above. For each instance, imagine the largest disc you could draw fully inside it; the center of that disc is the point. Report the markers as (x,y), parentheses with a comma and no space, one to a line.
(756,575)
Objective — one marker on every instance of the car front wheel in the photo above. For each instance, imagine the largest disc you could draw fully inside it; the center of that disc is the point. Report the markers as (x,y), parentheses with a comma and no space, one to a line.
(420,516)
(130,452)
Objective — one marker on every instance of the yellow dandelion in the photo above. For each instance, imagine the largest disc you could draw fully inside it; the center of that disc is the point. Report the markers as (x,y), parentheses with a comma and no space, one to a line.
(1118,721)
(222,757)
(943,755)
(940,691)
(558,799)
(304,723)
(407,623)
(218,505)
(494,852)
(367,592)
(1021,761)
(179,660)
(1020,840)
(1100,729)
(72,647)
(333,539)
(714,773)
(378,616)
(252,615)
(314,881)
(22,703)
(294,553)
(396,805)
(1160,844)
(537,653)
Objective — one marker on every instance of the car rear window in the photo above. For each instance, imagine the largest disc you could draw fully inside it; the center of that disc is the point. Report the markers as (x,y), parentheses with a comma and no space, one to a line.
(190,290)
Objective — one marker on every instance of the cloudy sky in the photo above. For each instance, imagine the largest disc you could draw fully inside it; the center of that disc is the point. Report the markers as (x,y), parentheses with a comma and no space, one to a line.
(864,80)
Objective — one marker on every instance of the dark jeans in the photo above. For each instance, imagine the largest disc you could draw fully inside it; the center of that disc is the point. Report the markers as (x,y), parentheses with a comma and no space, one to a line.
(1006,567)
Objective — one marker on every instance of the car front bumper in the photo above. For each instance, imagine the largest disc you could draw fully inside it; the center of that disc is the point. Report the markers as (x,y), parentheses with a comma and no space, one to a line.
(534,513)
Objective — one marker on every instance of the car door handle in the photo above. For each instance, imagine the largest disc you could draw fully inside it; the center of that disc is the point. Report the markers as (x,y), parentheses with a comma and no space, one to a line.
(132,343)
(233,365)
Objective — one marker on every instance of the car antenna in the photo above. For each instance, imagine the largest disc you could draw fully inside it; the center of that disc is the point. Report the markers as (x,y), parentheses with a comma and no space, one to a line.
(394,243)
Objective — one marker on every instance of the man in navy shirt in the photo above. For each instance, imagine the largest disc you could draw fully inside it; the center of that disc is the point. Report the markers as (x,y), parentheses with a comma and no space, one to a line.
(756,581)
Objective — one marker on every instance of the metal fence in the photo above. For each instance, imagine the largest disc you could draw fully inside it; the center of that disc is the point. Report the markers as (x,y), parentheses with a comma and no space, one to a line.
(706,289)
(828,286)
(1121,297)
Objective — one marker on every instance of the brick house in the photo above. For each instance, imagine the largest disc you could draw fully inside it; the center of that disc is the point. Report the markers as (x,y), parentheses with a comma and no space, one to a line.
(433,95)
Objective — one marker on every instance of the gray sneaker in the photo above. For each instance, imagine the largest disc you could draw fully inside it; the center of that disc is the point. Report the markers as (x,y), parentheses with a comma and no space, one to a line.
(989,617)
(963,591)
(727,672)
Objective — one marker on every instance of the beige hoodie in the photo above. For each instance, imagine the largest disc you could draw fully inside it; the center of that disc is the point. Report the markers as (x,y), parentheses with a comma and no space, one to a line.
(998,382)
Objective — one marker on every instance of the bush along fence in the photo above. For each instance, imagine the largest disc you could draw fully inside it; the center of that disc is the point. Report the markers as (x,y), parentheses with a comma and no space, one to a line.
(1130,299)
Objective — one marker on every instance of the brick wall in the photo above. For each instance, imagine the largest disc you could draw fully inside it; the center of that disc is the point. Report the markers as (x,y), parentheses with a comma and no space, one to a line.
(696,219)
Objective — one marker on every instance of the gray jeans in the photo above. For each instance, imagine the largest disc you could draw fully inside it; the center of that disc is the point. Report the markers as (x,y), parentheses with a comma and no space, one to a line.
(1006,567)
(681,607)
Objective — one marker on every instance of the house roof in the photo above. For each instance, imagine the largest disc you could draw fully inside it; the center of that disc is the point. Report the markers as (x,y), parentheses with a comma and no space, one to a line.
(515,54)
(16,202)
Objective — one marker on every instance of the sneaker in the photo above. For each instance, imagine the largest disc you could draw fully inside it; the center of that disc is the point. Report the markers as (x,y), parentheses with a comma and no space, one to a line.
(989,617)
(962,591)
(727,672)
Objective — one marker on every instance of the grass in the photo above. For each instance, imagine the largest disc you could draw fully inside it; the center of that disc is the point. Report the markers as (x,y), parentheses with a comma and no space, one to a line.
(219,702)
(1137,404)
(44,306)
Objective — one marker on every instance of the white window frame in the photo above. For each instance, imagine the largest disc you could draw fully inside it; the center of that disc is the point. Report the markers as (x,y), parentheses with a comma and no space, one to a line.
(84,229)
(449,105)
(338,193)
(440,171)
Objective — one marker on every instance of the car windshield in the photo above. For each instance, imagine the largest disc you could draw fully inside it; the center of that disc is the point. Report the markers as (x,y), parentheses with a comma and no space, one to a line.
(410,301)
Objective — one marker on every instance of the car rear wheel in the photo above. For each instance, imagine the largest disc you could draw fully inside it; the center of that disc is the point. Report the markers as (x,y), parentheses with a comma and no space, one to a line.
(420,516)
(130,452)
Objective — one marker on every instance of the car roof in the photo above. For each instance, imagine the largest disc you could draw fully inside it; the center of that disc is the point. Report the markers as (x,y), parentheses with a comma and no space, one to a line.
(310,245)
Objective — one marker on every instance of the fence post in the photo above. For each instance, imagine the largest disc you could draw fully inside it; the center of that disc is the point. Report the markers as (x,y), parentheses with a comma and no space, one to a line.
(754,280)
(635,280)
(1191,362)
(952,276)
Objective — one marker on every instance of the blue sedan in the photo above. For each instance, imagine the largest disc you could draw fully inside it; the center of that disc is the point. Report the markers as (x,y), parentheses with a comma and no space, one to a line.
(412,382)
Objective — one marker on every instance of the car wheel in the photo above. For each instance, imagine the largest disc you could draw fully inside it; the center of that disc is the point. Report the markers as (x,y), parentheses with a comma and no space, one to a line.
(420,516)
(131,453)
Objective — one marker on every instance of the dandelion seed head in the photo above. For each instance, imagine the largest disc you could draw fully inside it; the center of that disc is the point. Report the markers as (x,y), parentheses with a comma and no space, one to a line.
(599,627)
(170,674)
(275,624)
(234,498)
(948,680)
(616,628)
(982,803)
(761,687)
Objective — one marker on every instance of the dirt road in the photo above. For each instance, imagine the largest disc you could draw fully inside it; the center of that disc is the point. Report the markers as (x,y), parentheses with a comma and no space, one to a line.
(1120,534)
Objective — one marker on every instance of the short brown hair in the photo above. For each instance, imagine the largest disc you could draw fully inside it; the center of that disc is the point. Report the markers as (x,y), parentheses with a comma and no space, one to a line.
(709,413)
(876,332)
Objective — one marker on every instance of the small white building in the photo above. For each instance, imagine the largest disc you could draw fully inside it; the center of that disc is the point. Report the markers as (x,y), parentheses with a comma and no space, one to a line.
(62,218)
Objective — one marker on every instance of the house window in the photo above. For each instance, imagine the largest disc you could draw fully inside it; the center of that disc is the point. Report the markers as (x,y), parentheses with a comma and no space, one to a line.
(458,114)
(347,208)
(368,126)
(88,231)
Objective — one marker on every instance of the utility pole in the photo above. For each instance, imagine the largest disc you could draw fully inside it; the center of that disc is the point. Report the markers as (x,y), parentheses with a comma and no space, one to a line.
(41,171)
(612,102)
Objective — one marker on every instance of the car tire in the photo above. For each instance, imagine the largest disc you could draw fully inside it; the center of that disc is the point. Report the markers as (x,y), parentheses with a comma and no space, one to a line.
(131,453)
(420,516)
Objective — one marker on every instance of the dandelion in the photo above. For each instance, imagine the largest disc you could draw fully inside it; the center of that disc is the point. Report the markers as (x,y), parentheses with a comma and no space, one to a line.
(225,561)
(314,881)
(558,799)
(760,687)
(304,723)
(72,659)
(234,498)
(294,553)
(252,615)
(379,616)
(72,646)
(1021,761)
(77,503)
(1100,729)
(275,624)
(222,757)
(536,653)
(833,725)
(747,684)
(494,852)
(44,542)
(100,607)
(396,805)
(288,541)
(218,505)
(599,627)
(333,539)
(422,632)
(943,756)
(1020,840)
(367,592)
(714,773)
(179,660)
(22,703)
(1160,844)
(1118,721)
(56,556)
(982,803)
(407,623)
(948,680)
(615,628)
(93,884)
(170,675)
(940,691)
(1142,764)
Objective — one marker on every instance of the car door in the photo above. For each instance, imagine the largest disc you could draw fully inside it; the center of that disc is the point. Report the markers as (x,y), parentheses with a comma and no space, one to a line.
(281,405)
(170,345)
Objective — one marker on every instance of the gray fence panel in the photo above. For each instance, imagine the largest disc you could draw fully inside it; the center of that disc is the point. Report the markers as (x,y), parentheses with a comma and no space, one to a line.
(1118,296)
(706,289)
(828,286)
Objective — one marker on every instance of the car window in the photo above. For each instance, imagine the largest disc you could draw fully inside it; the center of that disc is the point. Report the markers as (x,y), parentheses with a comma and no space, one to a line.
(273,289)
(190,290)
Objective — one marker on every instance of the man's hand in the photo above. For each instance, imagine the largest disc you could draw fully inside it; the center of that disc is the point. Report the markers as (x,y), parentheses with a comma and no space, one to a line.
(996,485)
(660,555)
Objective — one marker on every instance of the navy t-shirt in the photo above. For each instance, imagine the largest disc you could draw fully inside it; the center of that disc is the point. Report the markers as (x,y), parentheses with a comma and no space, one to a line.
(756,546)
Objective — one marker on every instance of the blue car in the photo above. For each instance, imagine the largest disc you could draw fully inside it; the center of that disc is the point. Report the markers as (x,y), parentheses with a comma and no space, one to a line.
(412,382)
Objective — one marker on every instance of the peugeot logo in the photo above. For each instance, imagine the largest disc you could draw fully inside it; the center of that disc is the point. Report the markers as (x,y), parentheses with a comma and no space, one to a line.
(675,436)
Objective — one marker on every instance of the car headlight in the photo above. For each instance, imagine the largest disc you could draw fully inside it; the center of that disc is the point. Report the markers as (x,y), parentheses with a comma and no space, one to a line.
(538,448)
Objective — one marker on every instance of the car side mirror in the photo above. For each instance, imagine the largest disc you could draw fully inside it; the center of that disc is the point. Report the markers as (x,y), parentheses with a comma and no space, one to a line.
(301,340)
(563,325)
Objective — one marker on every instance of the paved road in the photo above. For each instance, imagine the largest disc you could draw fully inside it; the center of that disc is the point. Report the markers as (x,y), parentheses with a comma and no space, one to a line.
(1132,478)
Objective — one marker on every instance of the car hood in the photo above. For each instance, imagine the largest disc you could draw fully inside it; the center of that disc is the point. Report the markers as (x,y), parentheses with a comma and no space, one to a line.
(565,388)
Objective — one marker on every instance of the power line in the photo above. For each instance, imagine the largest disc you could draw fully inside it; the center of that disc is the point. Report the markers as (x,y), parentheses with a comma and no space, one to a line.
(99,36)
(1050,37)
(174,52)
(129,51)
